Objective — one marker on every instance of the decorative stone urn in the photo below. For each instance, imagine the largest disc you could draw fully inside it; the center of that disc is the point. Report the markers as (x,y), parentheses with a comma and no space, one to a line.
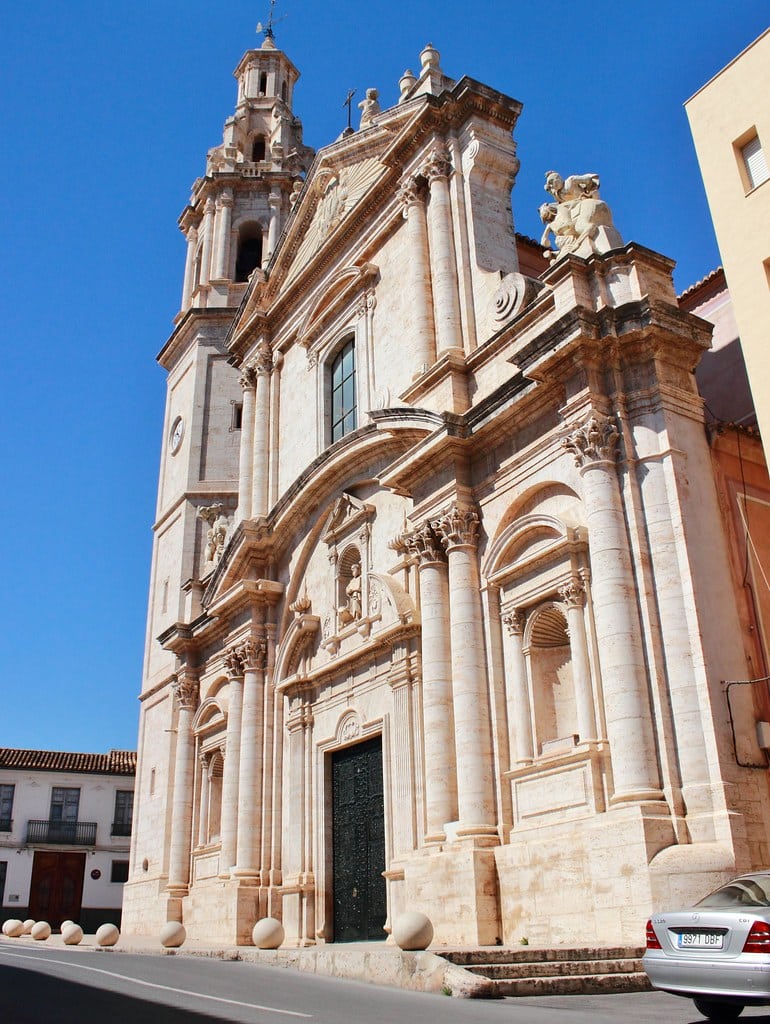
(412,930)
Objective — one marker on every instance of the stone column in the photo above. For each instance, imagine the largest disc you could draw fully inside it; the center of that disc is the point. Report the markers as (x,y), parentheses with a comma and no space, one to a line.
(446,300)
(473,738)
(203,805)
(208,240)
(245,468)
(186,696)
(573,596)
(224,206)
(519,711)
(440,766)
(229,813)
(422,342)
(263,367)
(254,654)
(274,229)
(189,268)
(618,632)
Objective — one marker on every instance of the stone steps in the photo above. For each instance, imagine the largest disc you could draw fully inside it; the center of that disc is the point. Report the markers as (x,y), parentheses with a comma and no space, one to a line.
(536,972)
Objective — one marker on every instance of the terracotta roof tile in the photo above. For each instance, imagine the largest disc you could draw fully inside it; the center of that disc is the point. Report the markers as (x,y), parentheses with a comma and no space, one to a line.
(116,762)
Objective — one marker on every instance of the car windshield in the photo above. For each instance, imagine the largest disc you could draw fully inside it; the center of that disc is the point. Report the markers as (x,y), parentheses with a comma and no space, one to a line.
(748,891)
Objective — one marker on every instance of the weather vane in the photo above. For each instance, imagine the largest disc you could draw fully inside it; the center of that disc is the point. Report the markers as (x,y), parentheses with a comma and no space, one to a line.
(268,28)
(347,103)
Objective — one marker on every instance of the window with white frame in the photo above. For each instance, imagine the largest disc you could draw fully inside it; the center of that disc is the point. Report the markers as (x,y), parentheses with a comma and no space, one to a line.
(755,162)
(343,391)
(6,807)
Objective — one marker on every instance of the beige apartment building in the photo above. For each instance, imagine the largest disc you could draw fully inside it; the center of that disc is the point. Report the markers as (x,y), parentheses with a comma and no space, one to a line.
(730,122)
(441,604)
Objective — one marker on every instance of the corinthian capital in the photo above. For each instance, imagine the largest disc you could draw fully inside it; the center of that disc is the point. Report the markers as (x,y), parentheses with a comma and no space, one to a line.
(410,192)
(263,362)
(573,594)
(438,164)
(425,545)
(248,378)
(458,526)
(186,690)
(515,621)
(253,654)
(233,663)
(595,441)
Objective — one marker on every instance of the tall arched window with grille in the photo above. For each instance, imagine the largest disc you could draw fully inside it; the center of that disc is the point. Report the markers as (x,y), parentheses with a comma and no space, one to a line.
(343,391)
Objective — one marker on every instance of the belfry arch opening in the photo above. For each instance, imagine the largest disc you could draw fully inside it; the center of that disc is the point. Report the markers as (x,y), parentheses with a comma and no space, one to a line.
(249,251)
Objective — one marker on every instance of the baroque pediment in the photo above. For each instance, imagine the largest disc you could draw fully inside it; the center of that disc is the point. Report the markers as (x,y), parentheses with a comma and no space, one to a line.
(348,515)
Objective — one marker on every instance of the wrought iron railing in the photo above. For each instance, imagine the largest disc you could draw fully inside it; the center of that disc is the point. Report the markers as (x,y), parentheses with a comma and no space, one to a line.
(121,828)
(68,833)
(6,825)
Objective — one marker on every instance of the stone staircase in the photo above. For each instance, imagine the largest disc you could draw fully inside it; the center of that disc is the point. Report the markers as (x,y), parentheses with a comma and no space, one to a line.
(538,972)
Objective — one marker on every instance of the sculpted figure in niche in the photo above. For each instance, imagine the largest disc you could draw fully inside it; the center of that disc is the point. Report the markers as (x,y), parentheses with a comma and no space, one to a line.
(579,221)
(352,610)
(216,535)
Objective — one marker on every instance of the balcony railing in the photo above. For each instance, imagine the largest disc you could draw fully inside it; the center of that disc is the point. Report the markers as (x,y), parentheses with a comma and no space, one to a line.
(121,828)
(67,833)
(6,825)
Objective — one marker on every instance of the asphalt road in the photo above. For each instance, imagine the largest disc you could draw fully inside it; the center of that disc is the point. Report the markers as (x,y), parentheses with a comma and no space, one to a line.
(39,986)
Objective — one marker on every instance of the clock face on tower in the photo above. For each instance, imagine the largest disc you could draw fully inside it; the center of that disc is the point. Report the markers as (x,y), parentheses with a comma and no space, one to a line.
(177,433)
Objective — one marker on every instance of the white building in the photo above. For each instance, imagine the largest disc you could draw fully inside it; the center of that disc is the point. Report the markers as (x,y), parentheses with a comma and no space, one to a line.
(65,827)
(441,599)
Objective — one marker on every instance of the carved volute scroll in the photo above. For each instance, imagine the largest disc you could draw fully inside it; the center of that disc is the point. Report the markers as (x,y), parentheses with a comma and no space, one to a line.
(457,527)
(595,441)
(425,545)
(515,621)
(186,690)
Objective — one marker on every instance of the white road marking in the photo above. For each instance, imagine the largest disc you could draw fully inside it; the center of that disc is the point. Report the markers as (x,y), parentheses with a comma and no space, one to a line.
(164,988)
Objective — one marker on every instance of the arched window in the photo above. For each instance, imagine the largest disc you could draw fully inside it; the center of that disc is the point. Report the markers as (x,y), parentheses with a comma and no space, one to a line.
(284,92)
(249,253)
(343,392)
(263,83)
(258,149)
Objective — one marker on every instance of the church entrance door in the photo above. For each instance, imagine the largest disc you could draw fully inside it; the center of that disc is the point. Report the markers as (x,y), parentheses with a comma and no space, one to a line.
(358,842)
(56,890)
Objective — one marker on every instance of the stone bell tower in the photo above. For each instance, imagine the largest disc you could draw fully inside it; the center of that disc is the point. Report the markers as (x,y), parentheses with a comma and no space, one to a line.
(232,224)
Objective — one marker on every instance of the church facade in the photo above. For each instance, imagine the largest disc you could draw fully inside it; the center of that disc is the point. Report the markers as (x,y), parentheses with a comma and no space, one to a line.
(441,601)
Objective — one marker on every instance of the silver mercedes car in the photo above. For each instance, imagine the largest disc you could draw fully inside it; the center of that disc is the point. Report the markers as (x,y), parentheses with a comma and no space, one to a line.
(718,952)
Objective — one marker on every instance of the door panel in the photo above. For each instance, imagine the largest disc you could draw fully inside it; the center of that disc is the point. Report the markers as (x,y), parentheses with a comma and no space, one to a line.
(56,890)
(358,843)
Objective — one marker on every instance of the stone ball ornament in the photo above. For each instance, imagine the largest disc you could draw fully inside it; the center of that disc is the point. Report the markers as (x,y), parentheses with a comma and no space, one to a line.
(13,928)
(72,934)
(41,931)
(412,930)
(267,933)
(172,934)
(107,935)
(29,925)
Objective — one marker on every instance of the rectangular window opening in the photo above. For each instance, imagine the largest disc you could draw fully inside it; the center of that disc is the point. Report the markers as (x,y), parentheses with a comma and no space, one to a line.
(752,161)
(119,871)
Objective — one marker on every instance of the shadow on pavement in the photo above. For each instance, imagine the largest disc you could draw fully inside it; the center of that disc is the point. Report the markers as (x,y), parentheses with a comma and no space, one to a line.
(31,997)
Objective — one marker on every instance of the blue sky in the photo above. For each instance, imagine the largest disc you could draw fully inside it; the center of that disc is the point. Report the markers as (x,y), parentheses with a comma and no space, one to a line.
(108,110)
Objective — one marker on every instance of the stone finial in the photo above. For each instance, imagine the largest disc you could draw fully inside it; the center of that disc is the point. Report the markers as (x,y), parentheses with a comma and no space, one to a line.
(579,221)
(405,84)
(594,441)
(369,108)
(430,58)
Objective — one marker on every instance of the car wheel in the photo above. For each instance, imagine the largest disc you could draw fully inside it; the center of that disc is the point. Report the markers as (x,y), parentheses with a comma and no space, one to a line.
(713,1010)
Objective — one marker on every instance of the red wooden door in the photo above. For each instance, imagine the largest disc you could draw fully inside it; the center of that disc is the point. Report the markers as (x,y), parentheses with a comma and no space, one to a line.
(56,891)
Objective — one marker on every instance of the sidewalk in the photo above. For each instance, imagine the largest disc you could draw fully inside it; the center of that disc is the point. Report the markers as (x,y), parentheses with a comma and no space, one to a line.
(374,962)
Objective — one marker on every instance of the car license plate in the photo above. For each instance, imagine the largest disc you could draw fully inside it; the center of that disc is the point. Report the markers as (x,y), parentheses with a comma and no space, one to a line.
(699,940)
